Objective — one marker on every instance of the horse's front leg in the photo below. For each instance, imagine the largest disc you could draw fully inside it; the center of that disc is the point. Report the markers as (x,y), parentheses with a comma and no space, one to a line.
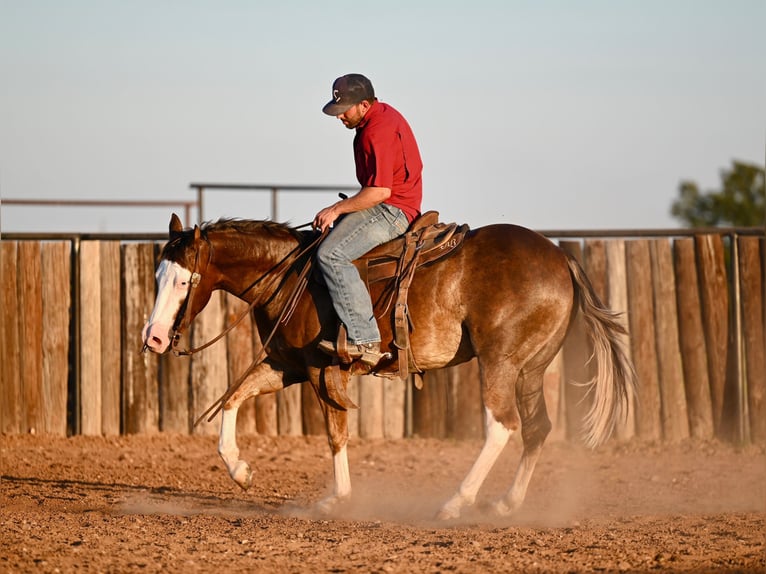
(336,421)
(264,379)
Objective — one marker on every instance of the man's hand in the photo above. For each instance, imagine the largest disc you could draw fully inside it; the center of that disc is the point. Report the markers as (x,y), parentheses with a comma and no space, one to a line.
(326,217)
(366,197)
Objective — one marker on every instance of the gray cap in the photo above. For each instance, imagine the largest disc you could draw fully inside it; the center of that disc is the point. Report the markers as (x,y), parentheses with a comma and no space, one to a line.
(348,91)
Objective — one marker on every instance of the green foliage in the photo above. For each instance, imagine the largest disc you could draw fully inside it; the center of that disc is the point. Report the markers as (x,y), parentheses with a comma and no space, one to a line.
(741,202)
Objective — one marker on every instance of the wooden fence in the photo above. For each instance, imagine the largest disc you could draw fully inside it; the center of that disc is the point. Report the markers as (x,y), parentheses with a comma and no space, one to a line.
(73,312)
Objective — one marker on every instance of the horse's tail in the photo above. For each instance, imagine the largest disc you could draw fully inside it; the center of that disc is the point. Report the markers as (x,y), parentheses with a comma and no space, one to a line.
(615,378)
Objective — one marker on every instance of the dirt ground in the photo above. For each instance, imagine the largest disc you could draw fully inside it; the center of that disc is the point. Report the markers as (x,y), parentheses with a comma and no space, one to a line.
(166,503)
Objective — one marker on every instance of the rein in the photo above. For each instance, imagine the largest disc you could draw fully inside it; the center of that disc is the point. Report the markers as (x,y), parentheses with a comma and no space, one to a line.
(284,316)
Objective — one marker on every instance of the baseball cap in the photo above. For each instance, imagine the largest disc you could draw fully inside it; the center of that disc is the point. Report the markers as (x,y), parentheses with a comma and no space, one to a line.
(348,91)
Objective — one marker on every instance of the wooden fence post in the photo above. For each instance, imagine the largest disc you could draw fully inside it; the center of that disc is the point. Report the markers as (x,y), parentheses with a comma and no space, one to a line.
(140,396)
(675,421)
(311,412)
(11,401)
(394,405)
(553,381)
(111,318)
(31,334)
(751,292)
(714,294)
(175,390)
(209,373)
(370,407)
(56,273)
(465,415)
(239,347)
(429,406)
(642,328)
(692,340)
(617,300)
(289,418)
(90,338)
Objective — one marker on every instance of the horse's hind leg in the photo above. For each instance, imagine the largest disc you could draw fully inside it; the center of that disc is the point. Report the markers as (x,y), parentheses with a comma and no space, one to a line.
(501,420)
(535,427)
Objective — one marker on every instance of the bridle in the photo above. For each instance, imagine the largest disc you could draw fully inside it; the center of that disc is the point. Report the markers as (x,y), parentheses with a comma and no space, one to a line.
(184,319)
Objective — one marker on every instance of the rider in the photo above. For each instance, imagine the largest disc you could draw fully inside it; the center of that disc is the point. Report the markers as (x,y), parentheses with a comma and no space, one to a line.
(388,168)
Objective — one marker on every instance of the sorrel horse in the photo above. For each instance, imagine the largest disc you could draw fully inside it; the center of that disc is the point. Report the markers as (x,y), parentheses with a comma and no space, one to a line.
(506,297)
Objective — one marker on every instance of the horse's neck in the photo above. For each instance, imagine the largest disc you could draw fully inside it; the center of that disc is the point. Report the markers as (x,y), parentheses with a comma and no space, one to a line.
(250,272)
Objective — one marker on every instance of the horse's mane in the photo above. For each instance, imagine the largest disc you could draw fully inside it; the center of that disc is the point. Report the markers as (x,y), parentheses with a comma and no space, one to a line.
(249,226)
(231,229)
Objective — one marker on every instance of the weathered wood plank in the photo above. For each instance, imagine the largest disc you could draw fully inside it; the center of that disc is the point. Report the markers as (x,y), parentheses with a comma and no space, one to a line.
(617,301)
(289,419)
(11,393)
(31,334)
(140,397)
(751,293)
(714,294)
(692,340)
(370,407)
(313,419)
(429,406)
(57,304)
(239,346)
(266,417)
(465,415)
(394,398)
(353,414)
(209,373)
(675,420)
(641,315)
(90,338)
(111,343)
(553,381)
(175,390)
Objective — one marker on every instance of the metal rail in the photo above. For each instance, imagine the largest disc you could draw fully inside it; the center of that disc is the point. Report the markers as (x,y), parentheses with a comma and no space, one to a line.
(273,189)
(186,205)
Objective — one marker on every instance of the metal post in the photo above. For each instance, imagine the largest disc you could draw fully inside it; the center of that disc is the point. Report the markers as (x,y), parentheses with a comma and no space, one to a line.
(274,191)
(200,211)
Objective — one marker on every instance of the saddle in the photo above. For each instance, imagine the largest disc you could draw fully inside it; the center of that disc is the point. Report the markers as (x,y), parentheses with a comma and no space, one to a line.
(388,269)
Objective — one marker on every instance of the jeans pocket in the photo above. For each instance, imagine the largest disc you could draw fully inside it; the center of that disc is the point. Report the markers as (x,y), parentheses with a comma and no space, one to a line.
(396,218)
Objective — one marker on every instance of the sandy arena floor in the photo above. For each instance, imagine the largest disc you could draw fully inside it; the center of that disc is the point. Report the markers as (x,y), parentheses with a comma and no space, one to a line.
(166,503)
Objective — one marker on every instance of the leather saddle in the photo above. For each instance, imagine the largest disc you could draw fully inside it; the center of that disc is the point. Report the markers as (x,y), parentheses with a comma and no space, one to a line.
(388,270)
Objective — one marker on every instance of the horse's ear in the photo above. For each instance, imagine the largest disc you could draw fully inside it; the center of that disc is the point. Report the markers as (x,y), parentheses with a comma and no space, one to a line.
(176,226)
(197,233)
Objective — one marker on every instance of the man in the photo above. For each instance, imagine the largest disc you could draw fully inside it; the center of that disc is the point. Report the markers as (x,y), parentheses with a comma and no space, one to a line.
(388,168)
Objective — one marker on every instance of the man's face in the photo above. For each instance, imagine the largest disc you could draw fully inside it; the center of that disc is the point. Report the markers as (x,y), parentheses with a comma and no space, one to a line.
(352,116)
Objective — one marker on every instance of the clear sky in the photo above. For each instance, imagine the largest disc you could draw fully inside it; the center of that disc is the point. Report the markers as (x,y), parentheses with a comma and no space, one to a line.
(576,114)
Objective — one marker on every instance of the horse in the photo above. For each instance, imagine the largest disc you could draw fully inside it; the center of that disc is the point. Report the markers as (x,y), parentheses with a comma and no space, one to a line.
(507,297)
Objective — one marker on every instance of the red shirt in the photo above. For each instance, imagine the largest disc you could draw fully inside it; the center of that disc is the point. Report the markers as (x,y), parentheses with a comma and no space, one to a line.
(387,155)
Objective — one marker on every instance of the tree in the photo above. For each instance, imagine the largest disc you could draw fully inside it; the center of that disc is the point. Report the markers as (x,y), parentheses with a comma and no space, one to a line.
(741,202)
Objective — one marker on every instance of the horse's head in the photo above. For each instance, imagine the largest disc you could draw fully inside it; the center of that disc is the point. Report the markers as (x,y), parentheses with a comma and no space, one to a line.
(183,286)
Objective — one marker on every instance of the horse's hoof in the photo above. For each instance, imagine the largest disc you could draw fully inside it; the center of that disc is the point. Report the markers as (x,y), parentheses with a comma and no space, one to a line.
(501,509)
(448,512)
(242,475)
(330,504)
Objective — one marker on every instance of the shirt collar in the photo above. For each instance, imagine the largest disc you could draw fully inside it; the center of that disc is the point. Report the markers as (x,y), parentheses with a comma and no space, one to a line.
(371,112)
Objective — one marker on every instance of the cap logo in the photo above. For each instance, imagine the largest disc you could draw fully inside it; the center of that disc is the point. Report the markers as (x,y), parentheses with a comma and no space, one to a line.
(336,95)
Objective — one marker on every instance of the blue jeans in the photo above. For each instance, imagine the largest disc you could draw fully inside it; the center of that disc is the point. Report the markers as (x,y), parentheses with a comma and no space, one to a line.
(351,237)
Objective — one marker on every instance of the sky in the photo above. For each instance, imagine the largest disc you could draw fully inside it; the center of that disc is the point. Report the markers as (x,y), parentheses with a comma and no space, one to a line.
(550,114)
